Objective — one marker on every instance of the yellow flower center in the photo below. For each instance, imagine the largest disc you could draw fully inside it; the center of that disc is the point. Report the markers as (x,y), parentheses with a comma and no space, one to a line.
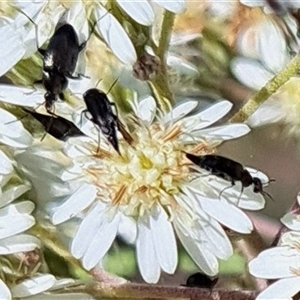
(150,170)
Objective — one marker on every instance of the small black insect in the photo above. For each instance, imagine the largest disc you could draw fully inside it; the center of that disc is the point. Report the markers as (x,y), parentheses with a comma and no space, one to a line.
(201,280)
(59,62)
(229,170)
(58,127)
(100,108)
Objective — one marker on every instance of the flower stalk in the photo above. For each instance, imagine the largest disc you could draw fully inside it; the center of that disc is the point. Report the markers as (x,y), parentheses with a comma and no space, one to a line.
(269,89)
(159,85)
(146,291)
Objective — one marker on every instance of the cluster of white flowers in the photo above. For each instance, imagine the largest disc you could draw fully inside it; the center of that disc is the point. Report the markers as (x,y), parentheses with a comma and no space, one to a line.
(281,262)
(149,193)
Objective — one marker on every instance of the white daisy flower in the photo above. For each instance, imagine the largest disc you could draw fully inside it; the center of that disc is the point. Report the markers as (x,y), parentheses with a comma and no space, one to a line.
(15,218)
(147,193)
(264,53)
(281,262)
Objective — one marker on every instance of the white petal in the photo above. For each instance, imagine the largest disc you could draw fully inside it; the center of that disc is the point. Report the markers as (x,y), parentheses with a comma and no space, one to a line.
(292,221)
(64,282)
(290,238)
(207,117)
(175,6)
(76,16)
(227,214)
(13,193)
(75,203)
(30,9)
(179,112)
(57,296)
(282,289)
(4,291)
(250,72)
(275,263)
(115,36)
(146,109)
(127,229)
(267,113)
(141,11)
(215,239)
(205,260)
(246,198)
(12,132)
(45,20)
(21,223)
(11,47)
(164,239)
(182,38)
(21,142)
(19,243)
(145,251)
(101,242)
(222,133)
(28,97)
(272,46)
(6,166)
(247,41)
(33,286)
(253,2)
(221,9)
(24,207)
(87,230)
(181,66)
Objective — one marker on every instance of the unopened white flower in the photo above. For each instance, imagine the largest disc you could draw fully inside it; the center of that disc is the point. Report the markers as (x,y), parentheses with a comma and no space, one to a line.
(148,193)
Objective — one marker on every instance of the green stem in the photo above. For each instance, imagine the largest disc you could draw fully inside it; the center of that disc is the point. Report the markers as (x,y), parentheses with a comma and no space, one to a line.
(160,85)
(269,89)
(51,240)
(165,34)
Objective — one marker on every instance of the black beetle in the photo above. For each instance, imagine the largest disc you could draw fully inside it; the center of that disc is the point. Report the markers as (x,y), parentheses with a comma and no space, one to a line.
(100,108)
(229,170)
(58,127)
(59,62)
(201,280)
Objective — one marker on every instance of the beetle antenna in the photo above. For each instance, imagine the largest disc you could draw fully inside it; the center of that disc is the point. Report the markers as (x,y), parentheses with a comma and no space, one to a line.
(114,83)
(35,25)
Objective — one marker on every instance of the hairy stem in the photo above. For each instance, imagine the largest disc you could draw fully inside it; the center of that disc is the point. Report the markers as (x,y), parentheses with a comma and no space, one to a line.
(269,89)
(160,85)
(146,291)
(165,34)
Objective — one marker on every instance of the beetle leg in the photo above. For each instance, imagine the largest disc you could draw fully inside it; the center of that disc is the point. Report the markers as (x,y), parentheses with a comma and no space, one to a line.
(39,81)
(42,51)
(82,45)
(62,96)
